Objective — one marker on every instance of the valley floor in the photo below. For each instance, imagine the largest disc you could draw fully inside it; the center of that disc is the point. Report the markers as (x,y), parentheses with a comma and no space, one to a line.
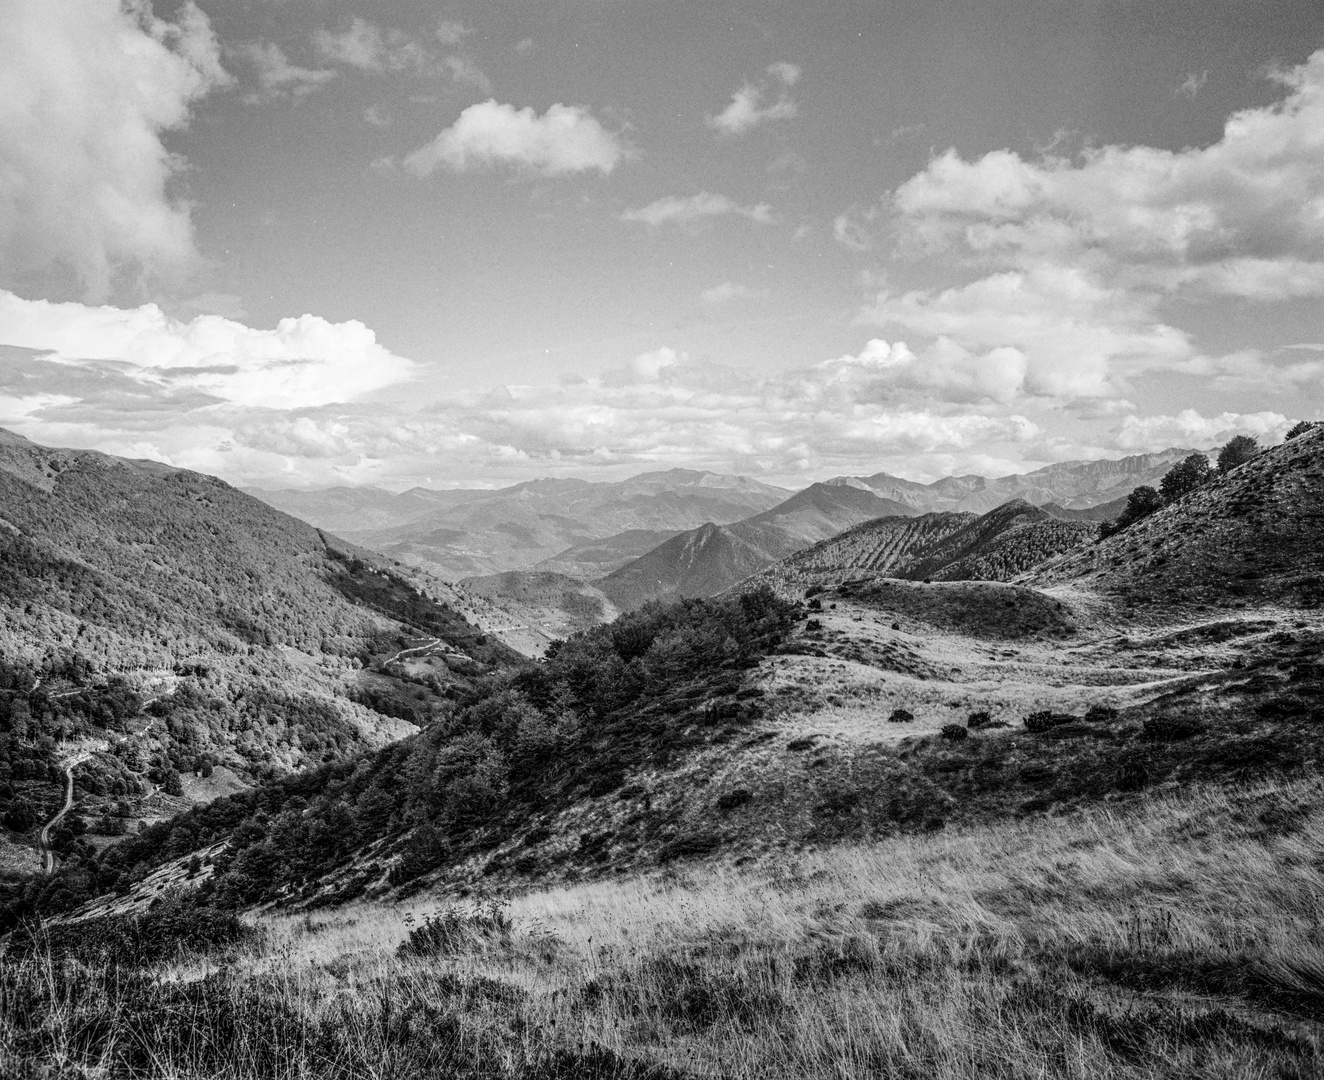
(1179,937)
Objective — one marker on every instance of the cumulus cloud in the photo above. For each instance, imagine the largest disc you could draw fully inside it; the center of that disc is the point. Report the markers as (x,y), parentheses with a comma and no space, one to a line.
(1241,217)
(1081,257)
(1079,338)
(86,92)
(565,139)
(691,209)
(758,103)
(303,362)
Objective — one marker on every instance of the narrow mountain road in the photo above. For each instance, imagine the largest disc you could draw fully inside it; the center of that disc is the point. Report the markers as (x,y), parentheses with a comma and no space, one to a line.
(44,838)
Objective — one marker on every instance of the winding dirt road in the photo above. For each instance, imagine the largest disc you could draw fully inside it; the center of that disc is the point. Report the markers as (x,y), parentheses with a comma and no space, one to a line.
(44,837)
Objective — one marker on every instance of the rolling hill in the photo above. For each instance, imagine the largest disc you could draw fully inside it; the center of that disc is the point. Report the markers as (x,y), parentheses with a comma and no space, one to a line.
(948,546)
(706,560)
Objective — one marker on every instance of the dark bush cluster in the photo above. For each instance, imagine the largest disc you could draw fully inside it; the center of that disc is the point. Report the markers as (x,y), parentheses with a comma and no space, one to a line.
(1045,719)
(901,716)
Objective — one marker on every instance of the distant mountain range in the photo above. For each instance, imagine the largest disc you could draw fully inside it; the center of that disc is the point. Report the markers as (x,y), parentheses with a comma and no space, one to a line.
(467,532)
(685,533)
(1072,485)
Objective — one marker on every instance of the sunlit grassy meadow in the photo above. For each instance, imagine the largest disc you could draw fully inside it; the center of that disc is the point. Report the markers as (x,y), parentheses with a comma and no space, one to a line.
(1180,937)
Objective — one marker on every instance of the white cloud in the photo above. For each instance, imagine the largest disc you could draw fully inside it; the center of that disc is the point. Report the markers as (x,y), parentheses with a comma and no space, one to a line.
(690,209)
(1190,428)
(728,291)
(757,103)
(1079,338)
(1242,217)
(1081,257)
(276,75)
(86,92)
(565,139)
(303,362)
(377,116)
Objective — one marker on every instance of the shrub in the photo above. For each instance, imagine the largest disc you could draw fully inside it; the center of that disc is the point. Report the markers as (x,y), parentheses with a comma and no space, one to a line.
(1239,450)
(977,720)
(1100,714)
(901,716)
(955,732)
(1301,428)
(1045,719)
(1170,728)
(450,930)
(734,798)
(813,624)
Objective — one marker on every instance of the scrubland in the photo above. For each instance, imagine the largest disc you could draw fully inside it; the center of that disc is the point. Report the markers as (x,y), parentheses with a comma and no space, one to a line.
(1179,936)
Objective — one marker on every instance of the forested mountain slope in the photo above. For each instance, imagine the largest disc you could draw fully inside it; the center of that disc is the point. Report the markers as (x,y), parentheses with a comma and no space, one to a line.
(180,638)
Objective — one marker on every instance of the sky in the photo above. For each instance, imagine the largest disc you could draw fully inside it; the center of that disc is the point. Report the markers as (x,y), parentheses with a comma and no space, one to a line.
(304,243)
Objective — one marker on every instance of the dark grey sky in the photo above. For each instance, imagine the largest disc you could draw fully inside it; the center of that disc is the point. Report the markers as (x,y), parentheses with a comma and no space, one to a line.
(589,237)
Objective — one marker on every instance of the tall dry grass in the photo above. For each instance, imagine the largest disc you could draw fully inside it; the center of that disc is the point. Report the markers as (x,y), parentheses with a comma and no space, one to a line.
(1179,938)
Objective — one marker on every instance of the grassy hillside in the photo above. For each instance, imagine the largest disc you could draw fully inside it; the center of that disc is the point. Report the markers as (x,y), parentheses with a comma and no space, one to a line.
(1250,536)
(1110,943)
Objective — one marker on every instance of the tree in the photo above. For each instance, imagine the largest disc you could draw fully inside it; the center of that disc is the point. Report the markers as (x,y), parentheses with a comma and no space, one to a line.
(1184,477)
(1301,428)
(1239,450)
(1142,502)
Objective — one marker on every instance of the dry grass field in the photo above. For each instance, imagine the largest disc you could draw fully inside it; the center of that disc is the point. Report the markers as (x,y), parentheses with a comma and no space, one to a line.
(1180,937)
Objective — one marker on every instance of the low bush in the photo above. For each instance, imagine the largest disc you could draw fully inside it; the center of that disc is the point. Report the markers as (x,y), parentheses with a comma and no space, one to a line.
(452,930)
(1100,714)
(1045,719)
(901,716)
(954,732)
(733,799)
(1170,728)
(977,720)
